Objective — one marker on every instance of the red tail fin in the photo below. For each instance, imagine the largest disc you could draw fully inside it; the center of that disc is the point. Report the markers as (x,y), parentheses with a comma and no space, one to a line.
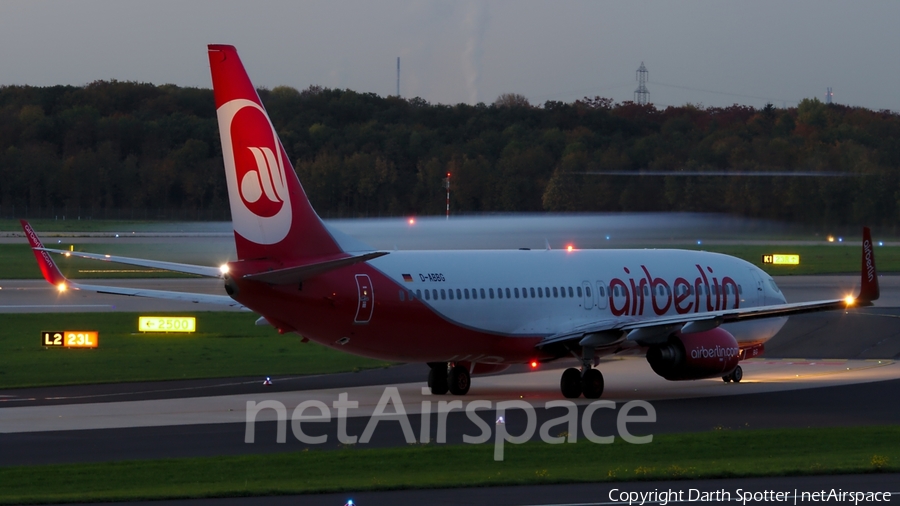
(48,267)
(271,214)
(869,289)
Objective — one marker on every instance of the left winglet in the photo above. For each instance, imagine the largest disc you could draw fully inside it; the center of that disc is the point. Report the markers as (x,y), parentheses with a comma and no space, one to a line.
(48,267)
(868,290)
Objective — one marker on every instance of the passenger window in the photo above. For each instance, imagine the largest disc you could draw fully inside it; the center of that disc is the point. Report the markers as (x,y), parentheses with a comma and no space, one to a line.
(434,293)
(555,292)
(741,289)
(426,295)
(571,292)
(516,292)
(507,293)
(482,293)
(402,296)
(602,292)
(646,291)
(459,294)
(467,293)
(540,293)
(451,293)
(547,292)
(499,293)
(443,294)
(532,292)
(419,293)
(578,289)
(491,292)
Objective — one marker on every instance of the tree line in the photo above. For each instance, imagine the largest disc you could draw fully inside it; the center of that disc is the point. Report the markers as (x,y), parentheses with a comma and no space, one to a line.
(121,145)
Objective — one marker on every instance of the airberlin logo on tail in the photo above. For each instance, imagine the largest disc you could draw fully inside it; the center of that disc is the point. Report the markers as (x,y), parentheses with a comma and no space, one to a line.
(255,170)
(263,188)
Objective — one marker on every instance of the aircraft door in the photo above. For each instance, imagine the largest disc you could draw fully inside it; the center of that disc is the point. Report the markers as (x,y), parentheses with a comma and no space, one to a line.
(601,295)
(366,299)
(589,295)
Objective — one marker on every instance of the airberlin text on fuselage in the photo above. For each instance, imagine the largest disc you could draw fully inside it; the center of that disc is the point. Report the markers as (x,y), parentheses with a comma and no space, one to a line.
(685,296)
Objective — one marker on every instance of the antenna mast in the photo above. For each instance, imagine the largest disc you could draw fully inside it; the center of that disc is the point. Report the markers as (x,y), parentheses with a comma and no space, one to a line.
(447,186)
(398,77)
(641,95)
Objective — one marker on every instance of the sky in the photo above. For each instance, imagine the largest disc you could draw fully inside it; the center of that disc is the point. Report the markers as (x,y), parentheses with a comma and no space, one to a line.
(707,53)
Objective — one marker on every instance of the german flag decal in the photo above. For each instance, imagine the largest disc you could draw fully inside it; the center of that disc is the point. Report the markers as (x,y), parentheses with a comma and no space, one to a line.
(407,278)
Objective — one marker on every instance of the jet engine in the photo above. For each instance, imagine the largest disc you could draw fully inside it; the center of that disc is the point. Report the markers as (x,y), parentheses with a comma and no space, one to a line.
(709,354)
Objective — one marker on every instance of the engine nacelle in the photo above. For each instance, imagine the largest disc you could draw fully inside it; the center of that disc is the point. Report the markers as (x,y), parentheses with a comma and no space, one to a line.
(695,356)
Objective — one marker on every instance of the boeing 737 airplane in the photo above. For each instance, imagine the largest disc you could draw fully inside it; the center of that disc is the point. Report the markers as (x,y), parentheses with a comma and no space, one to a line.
(692,314)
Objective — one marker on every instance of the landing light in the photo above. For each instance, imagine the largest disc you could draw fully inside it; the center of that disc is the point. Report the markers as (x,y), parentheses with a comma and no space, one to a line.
(61,287)
(534,364)
(223,268)
(67,254)
(830,238)
(850,300)
(412,221)
(569,248)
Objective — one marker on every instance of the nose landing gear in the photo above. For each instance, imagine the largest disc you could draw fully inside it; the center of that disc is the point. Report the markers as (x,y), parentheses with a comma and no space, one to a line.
(736,375)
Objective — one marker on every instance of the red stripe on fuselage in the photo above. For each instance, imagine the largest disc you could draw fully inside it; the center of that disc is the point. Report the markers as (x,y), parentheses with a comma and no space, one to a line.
(405,331)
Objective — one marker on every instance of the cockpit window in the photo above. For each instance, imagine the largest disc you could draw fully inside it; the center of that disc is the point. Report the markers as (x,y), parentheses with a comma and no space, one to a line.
(774,286)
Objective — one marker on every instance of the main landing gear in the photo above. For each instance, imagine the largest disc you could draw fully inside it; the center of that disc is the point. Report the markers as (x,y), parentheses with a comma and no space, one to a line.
(587,381)
(444,377)
(735,375)
(573,383)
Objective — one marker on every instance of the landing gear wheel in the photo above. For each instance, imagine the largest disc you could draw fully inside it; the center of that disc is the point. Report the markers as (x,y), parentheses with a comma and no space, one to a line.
(570,383)
(737,374)
(437,379)
(459,380)
(726,378)
(592,384)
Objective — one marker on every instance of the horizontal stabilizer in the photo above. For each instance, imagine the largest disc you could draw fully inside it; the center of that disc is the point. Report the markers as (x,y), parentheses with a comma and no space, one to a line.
(300,273)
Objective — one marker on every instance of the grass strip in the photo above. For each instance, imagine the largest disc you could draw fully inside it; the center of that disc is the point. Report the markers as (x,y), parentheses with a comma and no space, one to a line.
(717,454)
(818,259)
(226,344)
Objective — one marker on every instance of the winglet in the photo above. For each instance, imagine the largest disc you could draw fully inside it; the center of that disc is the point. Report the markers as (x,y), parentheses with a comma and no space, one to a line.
(48,267)
(868,290)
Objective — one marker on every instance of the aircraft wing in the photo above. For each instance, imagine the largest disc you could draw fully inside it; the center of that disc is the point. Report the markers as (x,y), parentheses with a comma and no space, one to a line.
(199,270)
(55,277)
(652,330)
